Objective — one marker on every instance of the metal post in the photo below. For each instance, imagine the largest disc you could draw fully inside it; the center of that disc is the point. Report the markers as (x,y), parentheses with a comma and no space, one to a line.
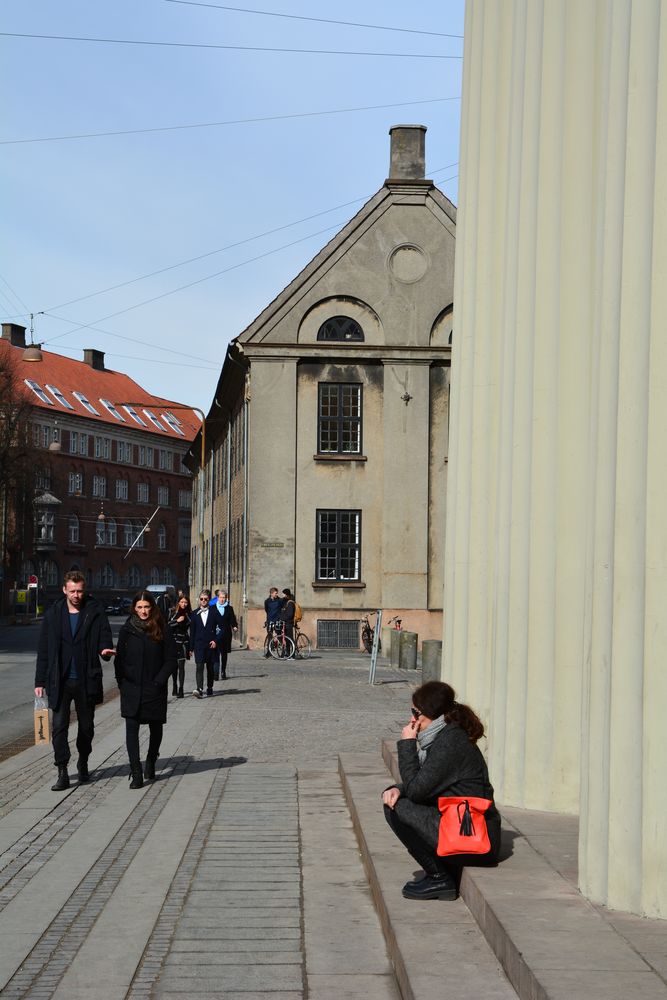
(376,646)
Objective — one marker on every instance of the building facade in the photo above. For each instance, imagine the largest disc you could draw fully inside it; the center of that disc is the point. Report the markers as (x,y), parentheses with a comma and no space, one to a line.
(327,438)
(556,561)
(101,471)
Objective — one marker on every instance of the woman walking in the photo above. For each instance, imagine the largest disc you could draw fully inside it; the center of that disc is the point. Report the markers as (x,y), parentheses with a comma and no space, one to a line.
(145,660)
(438,757)
(179,624)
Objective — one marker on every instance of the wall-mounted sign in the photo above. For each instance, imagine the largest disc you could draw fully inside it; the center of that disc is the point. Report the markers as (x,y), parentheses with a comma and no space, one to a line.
(272,545)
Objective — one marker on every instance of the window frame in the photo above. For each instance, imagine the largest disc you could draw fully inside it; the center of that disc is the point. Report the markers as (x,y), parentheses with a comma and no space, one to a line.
(340,419)
(338,579)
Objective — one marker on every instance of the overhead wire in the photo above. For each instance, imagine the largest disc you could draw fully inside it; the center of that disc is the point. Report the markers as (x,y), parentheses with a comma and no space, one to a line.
(236,121)
(316,20)
(228,48)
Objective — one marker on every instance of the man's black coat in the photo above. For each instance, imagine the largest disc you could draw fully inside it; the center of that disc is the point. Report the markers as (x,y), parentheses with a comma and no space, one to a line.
(56,647)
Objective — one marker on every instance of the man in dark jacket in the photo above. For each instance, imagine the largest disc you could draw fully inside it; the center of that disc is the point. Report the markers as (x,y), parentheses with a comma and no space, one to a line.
(203,643)
(75,633)
(273,605)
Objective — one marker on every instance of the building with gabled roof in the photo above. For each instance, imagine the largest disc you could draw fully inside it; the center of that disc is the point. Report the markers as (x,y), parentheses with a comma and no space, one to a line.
(107,459)
(327,439)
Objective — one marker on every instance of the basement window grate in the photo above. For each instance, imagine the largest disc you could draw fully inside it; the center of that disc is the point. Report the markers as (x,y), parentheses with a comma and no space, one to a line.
(343,634)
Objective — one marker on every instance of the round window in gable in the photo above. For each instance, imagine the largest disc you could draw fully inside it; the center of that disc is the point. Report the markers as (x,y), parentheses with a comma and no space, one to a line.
(340,328)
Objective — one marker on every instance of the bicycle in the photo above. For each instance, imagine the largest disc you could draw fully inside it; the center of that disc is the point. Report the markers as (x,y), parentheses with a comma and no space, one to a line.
(277,644)
(396,622)
(301,644)
(368,632)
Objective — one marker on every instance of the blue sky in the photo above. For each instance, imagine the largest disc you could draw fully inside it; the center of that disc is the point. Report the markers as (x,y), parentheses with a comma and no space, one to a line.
(81,215)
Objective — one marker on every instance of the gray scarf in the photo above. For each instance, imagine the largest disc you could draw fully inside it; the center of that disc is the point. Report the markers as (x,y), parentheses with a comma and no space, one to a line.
(426,736)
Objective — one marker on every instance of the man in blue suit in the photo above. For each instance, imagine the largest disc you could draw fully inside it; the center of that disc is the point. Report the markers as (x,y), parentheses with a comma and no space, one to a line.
(203,626)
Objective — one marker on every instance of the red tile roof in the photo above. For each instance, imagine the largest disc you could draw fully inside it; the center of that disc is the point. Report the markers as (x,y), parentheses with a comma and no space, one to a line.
(71,376)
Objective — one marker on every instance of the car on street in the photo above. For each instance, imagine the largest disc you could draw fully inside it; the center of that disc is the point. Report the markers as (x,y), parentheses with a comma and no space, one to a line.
(119,606)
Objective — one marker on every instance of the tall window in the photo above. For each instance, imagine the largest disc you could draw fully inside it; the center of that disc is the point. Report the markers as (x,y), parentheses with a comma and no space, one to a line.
(339,419)
(143,493)
(107,576)
(121,489)
(124,452)
(112,532)
(185,499)
(338,545)
(155,575)
(165,459)
(162,537)
(102,447)
(75,483)
(146,455)
(51,573)
(134,577)
(43,478)
(163,496)
(73,530)
(45,526)
(99,486)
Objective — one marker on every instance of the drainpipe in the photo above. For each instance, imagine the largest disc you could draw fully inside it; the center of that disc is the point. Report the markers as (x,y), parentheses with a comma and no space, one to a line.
(210,544)
(246,410)
(228,552)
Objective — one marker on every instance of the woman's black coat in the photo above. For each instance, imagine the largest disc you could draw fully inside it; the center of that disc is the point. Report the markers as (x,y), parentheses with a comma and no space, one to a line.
(226,624)
(143,668)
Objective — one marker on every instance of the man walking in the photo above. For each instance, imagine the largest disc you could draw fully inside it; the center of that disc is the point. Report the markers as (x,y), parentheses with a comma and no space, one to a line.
(227,625)
(75,633)
(203,629)
(272,607)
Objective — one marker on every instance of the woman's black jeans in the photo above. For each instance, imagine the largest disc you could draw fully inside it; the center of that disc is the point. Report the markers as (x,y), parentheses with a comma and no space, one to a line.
(132,741)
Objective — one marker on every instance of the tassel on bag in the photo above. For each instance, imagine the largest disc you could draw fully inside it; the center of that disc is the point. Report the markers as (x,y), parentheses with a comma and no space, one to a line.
(463,826)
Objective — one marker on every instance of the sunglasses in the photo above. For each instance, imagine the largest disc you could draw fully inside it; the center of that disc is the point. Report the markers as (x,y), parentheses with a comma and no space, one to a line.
(415,713)
(203,599)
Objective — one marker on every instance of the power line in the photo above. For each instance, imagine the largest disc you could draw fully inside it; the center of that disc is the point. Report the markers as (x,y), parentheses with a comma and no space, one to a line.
(133,357)
(230,246)
(317,20)
(230,48)
(190,284)
(237,121)
(15,295)
(118,336)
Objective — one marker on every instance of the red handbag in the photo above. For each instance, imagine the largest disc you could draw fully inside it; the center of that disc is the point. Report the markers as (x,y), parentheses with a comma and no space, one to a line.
(463,826)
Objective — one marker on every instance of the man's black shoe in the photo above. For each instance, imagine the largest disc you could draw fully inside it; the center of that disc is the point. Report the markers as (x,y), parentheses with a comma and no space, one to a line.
(63,779)
(431,887)
(149,769)
(136,774)
(82,770)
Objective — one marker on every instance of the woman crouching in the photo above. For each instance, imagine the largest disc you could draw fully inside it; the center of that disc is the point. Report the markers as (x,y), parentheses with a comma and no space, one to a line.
(438,757)
(145,660)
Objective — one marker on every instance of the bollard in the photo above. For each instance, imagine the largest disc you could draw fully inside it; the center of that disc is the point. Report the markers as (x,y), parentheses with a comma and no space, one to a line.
(394,649)
(385,638)
(407,657)
(431,659)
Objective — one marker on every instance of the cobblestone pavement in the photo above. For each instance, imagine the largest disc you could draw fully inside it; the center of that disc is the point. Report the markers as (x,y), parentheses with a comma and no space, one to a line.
(236,874)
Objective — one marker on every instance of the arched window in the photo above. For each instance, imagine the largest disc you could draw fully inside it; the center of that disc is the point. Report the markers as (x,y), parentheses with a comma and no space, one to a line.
(134,578)
(127,534)
(50,573)
(162,537)
(107,577)
(167,577)
(155,575)
(112,531)
(73,529)
(340,328)
(137,528)
(27,570)
(100,533)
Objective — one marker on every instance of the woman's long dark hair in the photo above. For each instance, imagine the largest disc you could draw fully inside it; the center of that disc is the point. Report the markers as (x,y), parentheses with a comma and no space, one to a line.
(154,620)
(435,698)
(178,610)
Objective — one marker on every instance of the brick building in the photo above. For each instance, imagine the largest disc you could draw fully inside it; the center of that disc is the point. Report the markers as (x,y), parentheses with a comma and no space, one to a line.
(102,470)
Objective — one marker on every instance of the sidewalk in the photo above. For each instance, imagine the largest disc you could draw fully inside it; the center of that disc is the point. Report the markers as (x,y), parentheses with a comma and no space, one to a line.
(238,873)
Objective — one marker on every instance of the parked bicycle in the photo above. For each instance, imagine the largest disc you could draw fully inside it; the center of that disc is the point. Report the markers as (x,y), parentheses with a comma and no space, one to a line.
(396,622)
(277,644)
(301,644)
(368,632)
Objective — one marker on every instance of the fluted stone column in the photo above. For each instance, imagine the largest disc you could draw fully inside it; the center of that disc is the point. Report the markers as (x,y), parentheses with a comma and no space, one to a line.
(556,543)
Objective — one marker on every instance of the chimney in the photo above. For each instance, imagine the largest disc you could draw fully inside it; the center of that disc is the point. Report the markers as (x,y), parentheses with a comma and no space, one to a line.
(407,159)
(14,333)
(94,358)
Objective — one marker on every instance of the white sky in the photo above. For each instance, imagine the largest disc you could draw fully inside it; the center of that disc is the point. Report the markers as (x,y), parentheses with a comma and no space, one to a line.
(84,214)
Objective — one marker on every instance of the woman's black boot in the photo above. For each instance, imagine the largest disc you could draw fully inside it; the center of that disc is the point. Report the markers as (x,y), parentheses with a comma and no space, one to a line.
(136,776)
(149,769)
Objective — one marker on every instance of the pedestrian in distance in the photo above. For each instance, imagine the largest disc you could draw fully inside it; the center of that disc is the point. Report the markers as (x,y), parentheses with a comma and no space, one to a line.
(203,643)
(227,625)
(75,632)
(287,613)
(438,757)
(179,624)
(273,605)
(164,604)
(145,660)
(213,603)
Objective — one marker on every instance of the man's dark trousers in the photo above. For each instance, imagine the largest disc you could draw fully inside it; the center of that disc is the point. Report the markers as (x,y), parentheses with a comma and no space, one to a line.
(72,691)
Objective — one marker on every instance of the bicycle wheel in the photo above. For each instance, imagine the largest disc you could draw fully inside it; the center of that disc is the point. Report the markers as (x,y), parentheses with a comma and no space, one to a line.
(302,651)
(288,648)
(276,647)
(367,639)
